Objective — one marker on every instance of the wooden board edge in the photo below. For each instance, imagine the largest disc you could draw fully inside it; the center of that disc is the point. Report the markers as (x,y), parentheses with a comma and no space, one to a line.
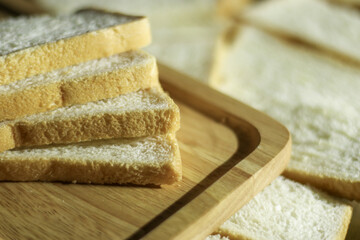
(271,153)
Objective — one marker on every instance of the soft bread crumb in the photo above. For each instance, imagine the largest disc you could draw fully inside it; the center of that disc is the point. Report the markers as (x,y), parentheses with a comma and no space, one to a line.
(289,210)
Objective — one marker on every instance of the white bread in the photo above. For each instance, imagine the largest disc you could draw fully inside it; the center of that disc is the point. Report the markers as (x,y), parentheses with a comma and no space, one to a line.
(150,160)
(35,45)
(315,96)
(137,114)
(197,51)
(289,210)
(331,27)
(90,81)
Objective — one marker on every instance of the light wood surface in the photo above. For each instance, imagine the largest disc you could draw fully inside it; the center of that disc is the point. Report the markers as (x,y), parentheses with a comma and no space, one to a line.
(229,151)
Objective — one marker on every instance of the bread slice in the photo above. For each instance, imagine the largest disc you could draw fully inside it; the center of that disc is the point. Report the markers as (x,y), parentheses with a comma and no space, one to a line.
(86,82)
(331,27)
(149,160)
(35,45)
(289,210)
(137,114)
(315,96)
(202,50)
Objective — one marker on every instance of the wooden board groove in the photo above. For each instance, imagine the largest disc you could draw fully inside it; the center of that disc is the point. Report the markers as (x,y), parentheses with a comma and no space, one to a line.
(230,152)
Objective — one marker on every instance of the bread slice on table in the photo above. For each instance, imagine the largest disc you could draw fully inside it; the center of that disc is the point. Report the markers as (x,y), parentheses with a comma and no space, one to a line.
(90,81)
(328,26)
(197,51)
(35,45)
(148,160)
(289,210)
(315,96)
(137,114)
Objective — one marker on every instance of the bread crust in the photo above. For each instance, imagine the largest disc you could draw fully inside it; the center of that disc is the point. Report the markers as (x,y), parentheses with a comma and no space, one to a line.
(78,90)
(345,223)
(89,171)
(70,51)
(340,235)
(220,51)
(339,187)
(174,173)
(91,127)
(7,140)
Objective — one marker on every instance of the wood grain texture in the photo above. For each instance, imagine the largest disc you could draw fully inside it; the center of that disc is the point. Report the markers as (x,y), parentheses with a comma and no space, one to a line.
(230,152)
(245,174)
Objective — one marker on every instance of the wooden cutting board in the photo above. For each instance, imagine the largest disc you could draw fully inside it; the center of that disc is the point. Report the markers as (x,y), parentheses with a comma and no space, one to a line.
(230,152)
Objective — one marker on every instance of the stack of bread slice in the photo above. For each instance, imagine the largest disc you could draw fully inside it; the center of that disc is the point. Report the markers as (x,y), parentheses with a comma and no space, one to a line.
(80,103)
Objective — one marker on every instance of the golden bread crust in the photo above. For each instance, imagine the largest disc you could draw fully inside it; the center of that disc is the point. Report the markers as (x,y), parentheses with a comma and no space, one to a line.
(71,51)
(78,91)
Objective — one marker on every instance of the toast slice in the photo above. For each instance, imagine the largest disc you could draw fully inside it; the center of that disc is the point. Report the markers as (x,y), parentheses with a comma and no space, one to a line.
(331,27)
(289,210)
(149,160)
(86,82)
(315,96)
(137,114)
(35,45)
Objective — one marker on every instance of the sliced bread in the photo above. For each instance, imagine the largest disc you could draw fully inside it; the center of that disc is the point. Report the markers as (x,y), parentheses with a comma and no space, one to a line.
(289,210)
(90,81)
(315,96)
(35,45)
(150,160)
(137,114)
(331,27)
(195,51)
